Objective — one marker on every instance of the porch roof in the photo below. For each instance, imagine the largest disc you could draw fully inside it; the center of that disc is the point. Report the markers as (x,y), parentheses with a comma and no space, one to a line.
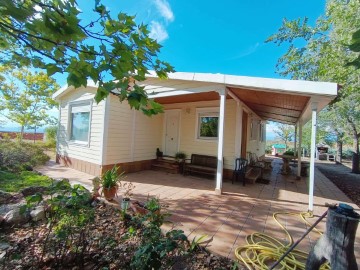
(281,100)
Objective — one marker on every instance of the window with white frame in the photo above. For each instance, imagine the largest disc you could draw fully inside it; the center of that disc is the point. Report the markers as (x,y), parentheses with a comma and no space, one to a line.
(79,120)
(207,123)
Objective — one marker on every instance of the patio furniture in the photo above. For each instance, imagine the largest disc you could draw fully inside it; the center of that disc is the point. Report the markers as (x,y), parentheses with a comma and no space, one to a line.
(286,164)
(240,170)
(255,168)
(201,164)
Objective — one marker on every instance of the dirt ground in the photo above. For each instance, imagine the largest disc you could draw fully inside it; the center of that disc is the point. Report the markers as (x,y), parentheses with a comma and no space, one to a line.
(343,178)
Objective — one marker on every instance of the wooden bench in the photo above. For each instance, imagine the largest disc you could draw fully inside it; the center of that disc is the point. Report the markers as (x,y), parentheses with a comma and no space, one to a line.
(201,164)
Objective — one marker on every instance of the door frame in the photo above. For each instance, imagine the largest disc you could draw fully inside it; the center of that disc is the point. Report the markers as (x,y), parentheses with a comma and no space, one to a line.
(178,111)
(244,133)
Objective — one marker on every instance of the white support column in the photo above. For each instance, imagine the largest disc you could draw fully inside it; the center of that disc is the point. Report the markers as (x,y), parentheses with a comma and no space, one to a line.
(299,151)
(295,138)
(220,164)
(312,155)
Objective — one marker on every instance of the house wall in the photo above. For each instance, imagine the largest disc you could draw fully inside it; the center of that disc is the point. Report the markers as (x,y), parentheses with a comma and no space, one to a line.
(86,158)
(188,130)
(131,138)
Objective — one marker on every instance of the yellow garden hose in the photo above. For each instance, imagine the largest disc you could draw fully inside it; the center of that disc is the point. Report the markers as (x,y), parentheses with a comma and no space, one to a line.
(262,250)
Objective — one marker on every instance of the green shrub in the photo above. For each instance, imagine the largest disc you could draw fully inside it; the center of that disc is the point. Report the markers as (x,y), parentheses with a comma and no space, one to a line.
(50,135)
(289,153)
(21,156)
(155,247)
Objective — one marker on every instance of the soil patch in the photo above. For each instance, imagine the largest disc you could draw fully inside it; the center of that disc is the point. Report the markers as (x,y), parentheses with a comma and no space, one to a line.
(343,178)
(109,248)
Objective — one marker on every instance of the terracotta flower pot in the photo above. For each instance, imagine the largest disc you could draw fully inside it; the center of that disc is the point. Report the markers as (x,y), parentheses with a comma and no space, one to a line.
(109,193)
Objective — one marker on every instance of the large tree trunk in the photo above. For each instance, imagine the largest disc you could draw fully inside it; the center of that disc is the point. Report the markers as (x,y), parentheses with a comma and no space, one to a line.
(339,145)
(355,158)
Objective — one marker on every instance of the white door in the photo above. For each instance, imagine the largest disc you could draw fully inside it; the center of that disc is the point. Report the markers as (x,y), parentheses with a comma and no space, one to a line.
(171,132)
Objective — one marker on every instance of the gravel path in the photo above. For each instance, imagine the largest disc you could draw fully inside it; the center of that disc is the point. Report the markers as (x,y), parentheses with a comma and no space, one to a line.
(343,178)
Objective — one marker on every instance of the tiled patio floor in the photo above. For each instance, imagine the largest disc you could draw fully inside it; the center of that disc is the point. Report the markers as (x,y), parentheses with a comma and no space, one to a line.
(239,211)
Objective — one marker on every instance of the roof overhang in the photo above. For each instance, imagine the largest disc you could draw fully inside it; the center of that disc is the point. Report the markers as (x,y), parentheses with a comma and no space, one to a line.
(280,100)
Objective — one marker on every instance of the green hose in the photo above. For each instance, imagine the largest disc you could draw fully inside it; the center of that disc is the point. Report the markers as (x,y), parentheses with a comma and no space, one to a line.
(262,250)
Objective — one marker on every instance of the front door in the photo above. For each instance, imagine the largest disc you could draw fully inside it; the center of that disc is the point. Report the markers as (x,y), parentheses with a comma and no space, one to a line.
(171,132)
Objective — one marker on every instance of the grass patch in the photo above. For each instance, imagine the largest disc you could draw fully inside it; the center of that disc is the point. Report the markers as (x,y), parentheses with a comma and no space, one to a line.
(14,182)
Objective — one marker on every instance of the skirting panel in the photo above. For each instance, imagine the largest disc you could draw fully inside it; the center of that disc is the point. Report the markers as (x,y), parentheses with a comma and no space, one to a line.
(129,167)
(80,165)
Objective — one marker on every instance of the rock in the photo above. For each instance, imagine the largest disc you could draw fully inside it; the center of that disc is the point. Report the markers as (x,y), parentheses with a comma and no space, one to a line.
(2,219)
(5,197)
(38,213)
(15,217)
(33,190)
(2,256)
(4,246)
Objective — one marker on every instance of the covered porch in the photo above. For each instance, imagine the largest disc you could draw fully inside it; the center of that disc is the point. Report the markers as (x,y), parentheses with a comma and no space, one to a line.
(254,101)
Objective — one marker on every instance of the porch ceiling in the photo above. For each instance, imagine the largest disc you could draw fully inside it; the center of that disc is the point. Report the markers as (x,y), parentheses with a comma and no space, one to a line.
(286,108)
(272,106)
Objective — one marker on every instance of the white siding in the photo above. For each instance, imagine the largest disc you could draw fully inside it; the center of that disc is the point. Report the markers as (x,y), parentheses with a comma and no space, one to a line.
(91,152)
(131,136)
(188,141)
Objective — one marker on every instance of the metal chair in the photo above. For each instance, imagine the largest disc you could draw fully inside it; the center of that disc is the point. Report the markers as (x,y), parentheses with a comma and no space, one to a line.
(240,170)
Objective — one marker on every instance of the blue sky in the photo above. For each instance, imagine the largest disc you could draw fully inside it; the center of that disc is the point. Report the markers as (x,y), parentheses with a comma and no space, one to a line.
(216,37)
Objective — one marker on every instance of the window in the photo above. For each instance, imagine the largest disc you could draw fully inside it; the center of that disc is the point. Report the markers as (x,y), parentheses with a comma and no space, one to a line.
(80,114)
(254,130)
(207,123)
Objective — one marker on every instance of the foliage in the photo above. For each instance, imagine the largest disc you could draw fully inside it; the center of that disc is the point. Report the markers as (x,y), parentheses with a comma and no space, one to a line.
(128,187)
(321,53)
(51,134)
(19,156)
(180,155)
(14,182)
(284,132)
(25,97)
(114,52)
(111,178)
(355,47)
(69,217)
(209,127)
(196,242)
(154,245)
(289,153)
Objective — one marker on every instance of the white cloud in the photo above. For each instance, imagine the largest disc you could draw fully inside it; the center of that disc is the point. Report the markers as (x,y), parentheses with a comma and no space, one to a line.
(158,31)
(164,8)
(248,51)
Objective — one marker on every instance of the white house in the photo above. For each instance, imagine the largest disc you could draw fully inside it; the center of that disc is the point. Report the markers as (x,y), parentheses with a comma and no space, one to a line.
(93,137)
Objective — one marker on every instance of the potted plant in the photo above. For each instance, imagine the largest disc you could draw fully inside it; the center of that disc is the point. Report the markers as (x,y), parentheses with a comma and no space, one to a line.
(180,158)
(110,183)
(128,187)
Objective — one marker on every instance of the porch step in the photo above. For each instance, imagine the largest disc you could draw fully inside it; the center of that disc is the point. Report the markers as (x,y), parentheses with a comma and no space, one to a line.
(167,165)
(252,175)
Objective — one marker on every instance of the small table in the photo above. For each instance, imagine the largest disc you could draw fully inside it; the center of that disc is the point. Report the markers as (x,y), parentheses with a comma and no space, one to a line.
(286,164)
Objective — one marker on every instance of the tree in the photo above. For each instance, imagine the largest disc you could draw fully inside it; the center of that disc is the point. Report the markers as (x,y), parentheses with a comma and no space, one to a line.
(325,56)
(285,132)
(25,97)
(116,53)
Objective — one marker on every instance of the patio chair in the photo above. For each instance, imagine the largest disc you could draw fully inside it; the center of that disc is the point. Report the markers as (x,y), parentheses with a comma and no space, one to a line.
(240,170)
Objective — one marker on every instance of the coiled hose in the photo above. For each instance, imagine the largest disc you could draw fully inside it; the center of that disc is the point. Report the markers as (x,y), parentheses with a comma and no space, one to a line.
(262,250)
